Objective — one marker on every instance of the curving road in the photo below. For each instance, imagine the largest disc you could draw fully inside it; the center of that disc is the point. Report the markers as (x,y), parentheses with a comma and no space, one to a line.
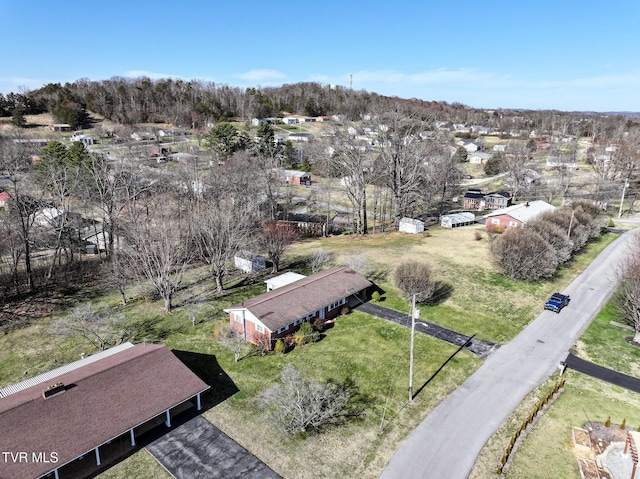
(447,442)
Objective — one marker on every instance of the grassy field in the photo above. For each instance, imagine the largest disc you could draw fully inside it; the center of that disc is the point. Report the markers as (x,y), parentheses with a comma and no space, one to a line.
(547,451)
(370,353)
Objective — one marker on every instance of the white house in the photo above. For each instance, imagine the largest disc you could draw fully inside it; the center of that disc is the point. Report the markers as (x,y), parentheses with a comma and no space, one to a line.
(410,225)
(479,158)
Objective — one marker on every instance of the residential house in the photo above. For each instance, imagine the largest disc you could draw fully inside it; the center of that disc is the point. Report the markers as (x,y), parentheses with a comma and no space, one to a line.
(84,139)
(301,137)
(479,158)
(280,312)
(411,225)
(143,136)
(473,199)
(517,216)
(91,412)
(60,127)
(499,148)
(304,223)
(497,200)
(561,161)
(249,262)
(289,120)
(293,177)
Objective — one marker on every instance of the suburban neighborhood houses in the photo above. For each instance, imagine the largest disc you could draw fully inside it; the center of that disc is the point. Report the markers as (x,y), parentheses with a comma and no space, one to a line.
(205,281)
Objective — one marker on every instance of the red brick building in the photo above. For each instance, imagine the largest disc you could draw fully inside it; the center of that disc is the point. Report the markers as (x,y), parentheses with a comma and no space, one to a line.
(280,312)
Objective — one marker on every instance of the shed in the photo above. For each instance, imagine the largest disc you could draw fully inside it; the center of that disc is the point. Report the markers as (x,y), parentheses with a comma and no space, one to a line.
(457,219)
(249,262)
(410,225)
(283,280)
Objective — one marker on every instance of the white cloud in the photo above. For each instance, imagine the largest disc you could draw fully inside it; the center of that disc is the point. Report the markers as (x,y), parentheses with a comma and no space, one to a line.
(259,75)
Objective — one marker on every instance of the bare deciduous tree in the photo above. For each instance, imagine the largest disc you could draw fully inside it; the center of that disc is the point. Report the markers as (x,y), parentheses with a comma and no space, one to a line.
(98,325)
(160,247)
(319,259)
(627,296)
(275,239)
(415,278)
(298,404)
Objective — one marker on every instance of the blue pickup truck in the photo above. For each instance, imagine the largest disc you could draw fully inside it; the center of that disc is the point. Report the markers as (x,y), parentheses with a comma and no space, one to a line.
(556,302)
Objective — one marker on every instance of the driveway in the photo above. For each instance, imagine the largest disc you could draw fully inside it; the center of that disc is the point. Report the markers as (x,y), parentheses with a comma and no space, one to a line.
(476,346)
(198,449)
(447,442)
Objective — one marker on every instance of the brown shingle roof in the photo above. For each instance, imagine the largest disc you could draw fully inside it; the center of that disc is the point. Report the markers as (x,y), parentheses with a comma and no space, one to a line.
(102,400)
(284,305)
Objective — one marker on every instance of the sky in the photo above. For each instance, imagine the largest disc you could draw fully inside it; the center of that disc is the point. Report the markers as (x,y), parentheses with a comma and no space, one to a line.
(548,54)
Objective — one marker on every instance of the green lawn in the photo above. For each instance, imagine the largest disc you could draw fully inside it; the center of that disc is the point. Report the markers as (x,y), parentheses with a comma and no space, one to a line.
(604,343)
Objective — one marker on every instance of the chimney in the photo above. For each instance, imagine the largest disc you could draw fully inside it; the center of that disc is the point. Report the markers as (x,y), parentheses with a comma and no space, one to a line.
(52,390)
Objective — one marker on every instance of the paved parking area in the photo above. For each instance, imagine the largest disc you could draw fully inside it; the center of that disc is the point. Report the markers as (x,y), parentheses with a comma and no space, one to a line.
(198,449)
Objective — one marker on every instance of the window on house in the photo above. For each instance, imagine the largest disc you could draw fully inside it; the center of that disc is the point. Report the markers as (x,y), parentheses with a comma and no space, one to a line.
(259,328)
(237,318)
(495,221)
(336,304)
(513,223)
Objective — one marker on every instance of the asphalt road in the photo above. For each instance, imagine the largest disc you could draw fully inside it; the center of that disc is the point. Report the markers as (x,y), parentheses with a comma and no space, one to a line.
(447,442)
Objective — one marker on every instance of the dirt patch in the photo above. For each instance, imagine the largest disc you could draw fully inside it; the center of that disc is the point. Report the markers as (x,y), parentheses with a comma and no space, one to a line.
(601,435)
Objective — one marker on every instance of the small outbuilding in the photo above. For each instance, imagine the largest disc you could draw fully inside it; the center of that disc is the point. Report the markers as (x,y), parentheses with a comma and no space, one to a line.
(411,225)
(283,280)
(249,262)
(457,219)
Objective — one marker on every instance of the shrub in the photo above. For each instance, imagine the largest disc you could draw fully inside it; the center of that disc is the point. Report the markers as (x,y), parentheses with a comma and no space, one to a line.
(306,334)
(607,423)
(375,296)
(345,310)
(624,424)
(477,236)
(279,347)
(611,224)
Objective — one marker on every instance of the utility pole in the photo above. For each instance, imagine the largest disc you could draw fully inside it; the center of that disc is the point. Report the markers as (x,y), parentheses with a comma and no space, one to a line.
(413,332)
(624,190)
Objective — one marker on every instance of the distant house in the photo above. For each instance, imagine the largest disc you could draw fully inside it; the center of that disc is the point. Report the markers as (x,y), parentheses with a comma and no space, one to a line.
(500,148)
(259,121)
(517,216)
(289,120)
(293,177)
(93,410)
(301,137)
(283,280)
(411,225)
(470,147)
(455,220)
(561,162)
(475,199)
(60,127)
(280,312)
(182,157)
(304,223)
(497,199)
(143,136)
(249,262)
(478,158)
(84,139)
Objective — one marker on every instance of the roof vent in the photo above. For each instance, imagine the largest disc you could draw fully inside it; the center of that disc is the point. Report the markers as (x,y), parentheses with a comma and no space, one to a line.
(52,390)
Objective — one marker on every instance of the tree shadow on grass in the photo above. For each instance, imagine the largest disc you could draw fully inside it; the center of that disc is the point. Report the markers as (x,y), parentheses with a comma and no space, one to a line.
(441,293)
(150,329)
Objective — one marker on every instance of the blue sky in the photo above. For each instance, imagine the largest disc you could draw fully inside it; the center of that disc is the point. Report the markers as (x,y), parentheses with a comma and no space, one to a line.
(560,54)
